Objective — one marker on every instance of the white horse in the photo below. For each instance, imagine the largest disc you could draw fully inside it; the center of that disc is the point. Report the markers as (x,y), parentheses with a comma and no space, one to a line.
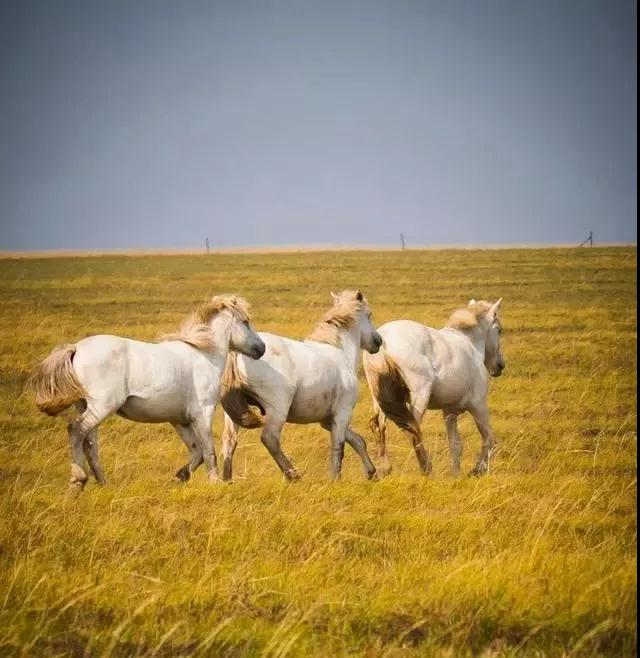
(420,368)
(311,381)
(175,381)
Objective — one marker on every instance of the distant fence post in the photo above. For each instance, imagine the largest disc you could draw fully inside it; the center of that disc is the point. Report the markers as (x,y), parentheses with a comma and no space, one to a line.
(589,240)
(402,240)
(206,242)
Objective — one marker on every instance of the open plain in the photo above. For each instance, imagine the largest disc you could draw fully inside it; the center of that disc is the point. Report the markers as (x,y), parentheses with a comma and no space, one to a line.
(538,558)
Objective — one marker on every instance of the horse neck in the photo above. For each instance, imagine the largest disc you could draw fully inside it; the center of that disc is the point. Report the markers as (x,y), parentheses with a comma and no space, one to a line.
(221,328)
(350,342)
(478,338)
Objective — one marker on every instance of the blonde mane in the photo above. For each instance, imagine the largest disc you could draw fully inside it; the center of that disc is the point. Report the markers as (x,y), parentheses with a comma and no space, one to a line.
(341,316)
(467,317)
(195,330)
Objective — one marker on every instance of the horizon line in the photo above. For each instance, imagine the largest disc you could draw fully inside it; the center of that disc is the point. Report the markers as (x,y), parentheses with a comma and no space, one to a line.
(293,248)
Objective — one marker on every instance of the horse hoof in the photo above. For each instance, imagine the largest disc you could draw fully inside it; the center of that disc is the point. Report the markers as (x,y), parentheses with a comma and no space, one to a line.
(478,471)
(292,476)
(183,474)
(78,477)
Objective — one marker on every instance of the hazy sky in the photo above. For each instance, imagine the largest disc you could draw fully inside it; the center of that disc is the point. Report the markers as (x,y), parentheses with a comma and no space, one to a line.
(155,124)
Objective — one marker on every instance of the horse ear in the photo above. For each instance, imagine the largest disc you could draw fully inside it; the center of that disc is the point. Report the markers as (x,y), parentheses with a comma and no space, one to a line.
(359,296)
(472,302)
(493,311)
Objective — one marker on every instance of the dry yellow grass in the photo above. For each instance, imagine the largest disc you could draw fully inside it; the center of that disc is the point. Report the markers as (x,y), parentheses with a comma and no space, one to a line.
(536,559)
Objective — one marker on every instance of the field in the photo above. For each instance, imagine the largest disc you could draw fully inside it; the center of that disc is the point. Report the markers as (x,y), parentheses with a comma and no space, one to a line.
(536,559)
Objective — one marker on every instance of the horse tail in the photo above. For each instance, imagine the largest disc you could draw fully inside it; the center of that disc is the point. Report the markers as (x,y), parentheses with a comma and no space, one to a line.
(54,383)
(237,397)
(391,393)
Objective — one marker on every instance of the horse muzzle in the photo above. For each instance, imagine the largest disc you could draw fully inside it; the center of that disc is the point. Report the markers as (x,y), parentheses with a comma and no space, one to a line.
(258,351)
(376,344)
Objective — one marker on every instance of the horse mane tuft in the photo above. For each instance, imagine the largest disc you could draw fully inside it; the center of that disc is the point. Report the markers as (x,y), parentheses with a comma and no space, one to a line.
(467,317)
(195,330)
(341,316)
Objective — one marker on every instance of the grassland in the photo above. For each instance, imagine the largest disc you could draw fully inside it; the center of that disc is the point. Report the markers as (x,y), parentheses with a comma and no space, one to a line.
(539,558)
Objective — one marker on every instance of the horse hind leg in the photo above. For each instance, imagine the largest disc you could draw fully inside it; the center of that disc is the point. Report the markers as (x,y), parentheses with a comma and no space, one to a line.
(229,445)
(90,449)
(79,430)
(420,401)
(378,425)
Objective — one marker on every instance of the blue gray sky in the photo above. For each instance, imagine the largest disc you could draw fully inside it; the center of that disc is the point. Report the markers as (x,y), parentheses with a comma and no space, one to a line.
(153,124)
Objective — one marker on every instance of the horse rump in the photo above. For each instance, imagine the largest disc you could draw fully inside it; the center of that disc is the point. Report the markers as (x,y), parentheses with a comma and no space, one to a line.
(391,392)
(54,383)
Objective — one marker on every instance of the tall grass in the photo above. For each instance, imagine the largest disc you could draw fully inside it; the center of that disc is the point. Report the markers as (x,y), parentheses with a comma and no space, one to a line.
(536,559)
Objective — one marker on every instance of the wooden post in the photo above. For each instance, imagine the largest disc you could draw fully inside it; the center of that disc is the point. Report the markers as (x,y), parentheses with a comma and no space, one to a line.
(402,240)
(589,240)
(206,242)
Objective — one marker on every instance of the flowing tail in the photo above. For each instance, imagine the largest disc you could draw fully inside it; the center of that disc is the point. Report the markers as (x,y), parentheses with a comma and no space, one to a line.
(390,391)
(54,383)
(237,397)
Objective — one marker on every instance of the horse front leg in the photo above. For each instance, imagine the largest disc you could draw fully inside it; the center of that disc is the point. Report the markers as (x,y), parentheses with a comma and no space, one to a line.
(481,419)
(270,438)
(455,441)
(190,439)
(201,425)
(360,446)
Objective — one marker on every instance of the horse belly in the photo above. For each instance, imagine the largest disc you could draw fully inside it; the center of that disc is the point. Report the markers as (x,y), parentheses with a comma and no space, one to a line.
(158,409)
(310,406)
(445,394)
